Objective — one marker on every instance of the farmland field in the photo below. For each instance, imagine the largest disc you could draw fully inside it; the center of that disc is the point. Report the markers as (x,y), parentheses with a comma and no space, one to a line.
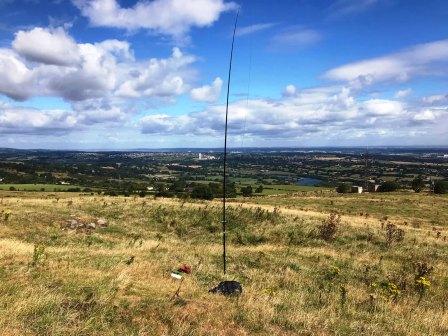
(37,187)
(373,277)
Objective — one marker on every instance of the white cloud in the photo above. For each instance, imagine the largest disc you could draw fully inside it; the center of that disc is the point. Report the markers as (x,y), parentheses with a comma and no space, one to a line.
(295,37)
(423,59)
(103,69)
(290,90)
(319,113)
(158,77)
(347,7)
(208,93)
(17,120)
(435,99)
(47,46)
(252,29)
(15,76)
(308,111)
(383,107)
(425,115)
(171,17)
(403,93)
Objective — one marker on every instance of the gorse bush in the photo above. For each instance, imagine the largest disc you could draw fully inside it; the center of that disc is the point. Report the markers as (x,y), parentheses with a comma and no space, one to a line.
(393,234)
(389,186)
(344,188)
(441,187)
(328,229)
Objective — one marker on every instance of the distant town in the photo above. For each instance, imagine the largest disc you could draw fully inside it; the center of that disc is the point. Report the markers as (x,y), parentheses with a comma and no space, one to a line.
(198,172)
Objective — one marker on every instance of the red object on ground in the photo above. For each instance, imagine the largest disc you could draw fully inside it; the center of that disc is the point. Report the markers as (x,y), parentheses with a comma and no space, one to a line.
(185,269)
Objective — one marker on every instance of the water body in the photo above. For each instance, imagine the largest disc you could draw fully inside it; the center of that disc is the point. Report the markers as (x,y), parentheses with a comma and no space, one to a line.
(308,181)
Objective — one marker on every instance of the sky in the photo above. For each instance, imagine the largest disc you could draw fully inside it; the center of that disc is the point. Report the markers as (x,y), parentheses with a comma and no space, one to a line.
(126,74)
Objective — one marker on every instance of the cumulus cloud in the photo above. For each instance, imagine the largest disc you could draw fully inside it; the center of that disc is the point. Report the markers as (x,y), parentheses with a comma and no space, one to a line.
(208,93)
(290,90)
(425,116)
(305,111)
(47,46)
(170,17)
(18,120)
(324,111)
(158,77)
(15,76)
(435,99)
(383,107)
(423,59)
(48,62)
(403,93)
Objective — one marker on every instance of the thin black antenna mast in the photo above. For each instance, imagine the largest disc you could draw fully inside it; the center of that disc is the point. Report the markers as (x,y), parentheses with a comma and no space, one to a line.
(224,180)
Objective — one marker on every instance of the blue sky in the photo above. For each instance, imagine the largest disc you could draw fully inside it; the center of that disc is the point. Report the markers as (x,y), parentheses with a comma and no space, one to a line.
(116,74)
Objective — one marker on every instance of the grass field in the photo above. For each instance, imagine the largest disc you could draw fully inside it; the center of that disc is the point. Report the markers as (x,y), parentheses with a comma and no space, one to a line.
(37,187)
(115,280)
(280,189)
(407,207)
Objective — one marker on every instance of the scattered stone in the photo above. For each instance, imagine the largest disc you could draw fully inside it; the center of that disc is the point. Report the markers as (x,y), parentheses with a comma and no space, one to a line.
(102,223)
(73,224)
(84,224)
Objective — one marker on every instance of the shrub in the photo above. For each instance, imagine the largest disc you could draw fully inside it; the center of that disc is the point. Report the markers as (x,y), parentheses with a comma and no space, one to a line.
(418,184)
(441,187)
(11,188)
(328,229)
(389,186)
(202,191)
(247,191)
(393,234)
(344,188)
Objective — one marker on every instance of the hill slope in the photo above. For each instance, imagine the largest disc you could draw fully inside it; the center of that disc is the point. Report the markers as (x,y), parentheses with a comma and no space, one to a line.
(375,276)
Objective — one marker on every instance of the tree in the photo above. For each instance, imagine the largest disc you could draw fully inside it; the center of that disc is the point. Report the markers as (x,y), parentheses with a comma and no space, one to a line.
(259,189)
(247,191)
(344,188)
(202,191)
(161,190)
(178,186)
(441,187)
(389,186)
(11,188)
(418,184)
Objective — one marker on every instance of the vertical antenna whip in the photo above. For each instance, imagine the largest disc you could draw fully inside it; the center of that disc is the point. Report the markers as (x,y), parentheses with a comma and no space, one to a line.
(224,182)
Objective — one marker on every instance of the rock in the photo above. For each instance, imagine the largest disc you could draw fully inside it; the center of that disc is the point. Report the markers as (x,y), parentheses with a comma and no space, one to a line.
(72,224)
(228,288)
(91,226)
(102,222)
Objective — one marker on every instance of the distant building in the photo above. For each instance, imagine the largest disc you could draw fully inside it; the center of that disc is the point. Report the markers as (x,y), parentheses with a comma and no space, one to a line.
(373,187)
(357,189)
(202,157)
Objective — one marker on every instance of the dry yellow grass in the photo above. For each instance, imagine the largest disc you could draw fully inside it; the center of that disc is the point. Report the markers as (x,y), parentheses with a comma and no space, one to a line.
(56,281)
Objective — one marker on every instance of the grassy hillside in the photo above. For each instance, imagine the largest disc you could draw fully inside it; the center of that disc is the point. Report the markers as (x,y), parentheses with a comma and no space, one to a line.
(373,277)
